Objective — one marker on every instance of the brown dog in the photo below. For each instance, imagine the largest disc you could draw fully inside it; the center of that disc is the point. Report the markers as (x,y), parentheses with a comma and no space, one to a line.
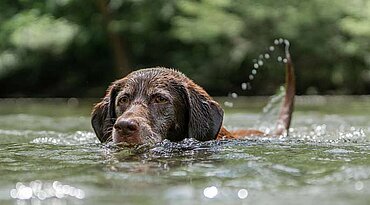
(154,104)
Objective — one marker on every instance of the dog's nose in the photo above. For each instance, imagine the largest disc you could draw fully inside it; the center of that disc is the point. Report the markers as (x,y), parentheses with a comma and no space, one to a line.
(127,126)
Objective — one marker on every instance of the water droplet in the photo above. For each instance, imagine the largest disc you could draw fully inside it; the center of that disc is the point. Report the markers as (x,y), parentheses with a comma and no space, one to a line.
(260,56)
(271,48)
(25,193)
(228,104)
(242,193)
(281,40)
(56,184)
(254,71)
(13,193)
(267,130)
(260,63)
(18,185)
(359,185)
(251,77)
(276,41)
(285,60)
(286,42)
(41,195)
(267,56)
(210,192)
(279,58)
(244,86)
(80,194)
(255,65)
(234,95)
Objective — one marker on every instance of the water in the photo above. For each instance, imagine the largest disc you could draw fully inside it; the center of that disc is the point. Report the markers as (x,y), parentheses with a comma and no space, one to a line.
(264,58)
(49,155)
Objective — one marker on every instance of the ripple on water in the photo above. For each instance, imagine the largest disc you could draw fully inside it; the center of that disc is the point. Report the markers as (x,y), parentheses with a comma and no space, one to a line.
(36,122)
(48,137)
(77,138)
(344,174)
(338,151)
(286,169)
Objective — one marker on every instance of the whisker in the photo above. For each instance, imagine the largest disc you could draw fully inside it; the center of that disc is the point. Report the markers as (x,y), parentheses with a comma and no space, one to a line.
(108,129)
(109,137)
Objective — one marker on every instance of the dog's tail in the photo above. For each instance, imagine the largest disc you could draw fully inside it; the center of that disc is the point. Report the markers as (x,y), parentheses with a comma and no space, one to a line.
(286,110)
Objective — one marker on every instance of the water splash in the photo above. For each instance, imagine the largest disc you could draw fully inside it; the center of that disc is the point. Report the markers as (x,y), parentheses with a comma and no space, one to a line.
(228,104)
(272,108)
(258,63)
(267,119)
(319,135)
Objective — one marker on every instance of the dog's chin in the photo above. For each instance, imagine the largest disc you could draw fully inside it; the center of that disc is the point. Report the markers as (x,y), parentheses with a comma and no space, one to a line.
(135,140)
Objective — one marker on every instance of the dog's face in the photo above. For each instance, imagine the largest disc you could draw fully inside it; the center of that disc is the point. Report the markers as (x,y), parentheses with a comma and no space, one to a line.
(150,105)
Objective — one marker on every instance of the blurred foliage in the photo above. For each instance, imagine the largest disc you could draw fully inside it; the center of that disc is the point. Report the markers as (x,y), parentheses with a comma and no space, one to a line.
(61,48)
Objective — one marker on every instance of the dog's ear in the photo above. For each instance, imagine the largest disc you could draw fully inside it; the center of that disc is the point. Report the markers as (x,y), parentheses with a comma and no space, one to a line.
(206,115)
(104,114)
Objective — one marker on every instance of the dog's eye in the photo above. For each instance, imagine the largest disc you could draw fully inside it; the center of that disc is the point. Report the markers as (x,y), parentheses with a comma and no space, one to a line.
(124,99)
(160,100)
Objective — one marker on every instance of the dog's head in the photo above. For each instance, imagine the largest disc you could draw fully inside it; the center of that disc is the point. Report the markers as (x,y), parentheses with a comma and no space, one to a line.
(153,104)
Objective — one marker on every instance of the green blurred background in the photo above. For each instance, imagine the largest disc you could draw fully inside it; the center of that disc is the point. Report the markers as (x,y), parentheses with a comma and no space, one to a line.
(64,48)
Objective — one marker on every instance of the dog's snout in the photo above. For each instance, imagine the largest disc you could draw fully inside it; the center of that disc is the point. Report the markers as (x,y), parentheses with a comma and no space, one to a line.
(127,126)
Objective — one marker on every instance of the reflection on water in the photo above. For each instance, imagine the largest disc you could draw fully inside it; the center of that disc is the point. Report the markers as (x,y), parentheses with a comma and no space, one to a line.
(41,191)
(210,192)
(49,155)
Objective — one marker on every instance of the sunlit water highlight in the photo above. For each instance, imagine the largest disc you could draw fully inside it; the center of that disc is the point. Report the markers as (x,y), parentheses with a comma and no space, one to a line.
(49,155)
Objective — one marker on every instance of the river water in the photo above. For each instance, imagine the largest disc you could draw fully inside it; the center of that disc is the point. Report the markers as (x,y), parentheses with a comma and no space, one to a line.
(49,155)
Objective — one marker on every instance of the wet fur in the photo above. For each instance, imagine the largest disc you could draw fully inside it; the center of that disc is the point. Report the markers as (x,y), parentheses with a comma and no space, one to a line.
(189,112)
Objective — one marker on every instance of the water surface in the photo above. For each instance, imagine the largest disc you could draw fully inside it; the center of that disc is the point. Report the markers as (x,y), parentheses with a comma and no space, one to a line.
(49,155)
